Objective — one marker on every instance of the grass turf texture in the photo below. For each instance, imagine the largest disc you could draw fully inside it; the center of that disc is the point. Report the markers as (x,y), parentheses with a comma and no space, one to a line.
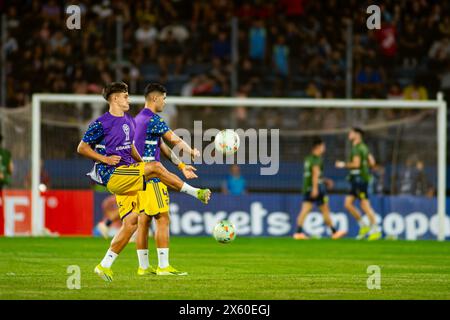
(249,268)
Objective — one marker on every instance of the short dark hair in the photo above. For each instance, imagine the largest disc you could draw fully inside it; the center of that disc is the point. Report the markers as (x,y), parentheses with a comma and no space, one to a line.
(154,87)
(316,141)
(359,130)
(114,87)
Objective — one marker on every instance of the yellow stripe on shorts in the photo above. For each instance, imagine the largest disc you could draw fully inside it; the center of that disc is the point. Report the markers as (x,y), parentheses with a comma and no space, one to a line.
(158,194)
(125,170)
(126,173)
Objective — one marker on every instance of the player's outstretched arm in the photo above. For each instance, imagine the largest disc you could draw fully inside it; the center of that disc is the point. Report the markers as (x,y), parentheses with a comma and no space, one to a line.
(354,164)
(176,142)
(85,150)
(188,171)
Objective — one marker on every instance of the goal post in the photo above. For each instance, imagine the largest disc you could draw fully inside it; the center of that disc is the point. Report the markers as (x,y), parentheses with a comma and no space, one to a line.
(439,105)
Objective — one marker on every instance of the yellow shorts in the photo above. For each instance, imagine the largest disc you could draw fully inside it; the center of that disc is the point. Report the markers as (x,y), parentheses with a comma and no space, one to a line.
(155,199)
(127,204)
(127,180)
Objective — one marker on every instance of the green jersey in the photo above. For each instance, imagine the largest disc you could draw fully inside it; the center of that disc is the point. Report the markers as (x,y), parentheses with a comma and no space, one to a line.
(308,164)
(362,151)
(5,159)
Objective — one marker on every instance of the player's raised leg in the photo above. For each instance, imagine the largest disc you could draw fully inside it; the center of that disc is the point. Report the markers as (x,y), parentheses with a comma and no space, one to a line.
(157,170)
(306,208)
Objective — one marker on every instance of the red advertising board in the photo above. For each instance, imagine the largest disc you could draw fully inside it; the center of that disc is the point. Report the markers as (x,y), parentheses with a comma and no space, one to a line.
(67,212)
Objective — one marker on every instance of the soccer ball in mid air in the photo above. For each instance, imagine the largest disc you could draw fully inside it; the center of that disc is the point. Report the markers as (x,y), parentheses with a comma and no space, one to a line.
(227,141)
(224,232)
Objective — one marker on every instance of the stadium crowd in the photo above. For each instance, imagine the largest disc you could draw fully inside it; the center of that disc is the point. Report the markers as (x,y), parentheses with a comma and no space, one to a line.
(286,48)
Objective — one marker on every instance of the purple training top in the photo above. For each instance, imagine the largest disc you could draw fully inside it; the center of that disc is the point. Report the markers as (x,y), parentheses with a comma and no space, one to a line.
(150,127)
(110,135)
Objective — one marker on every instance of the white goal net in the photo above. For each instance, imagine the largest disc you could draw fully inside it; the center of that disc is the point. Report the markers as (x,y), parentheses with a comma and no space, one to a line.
(400,134)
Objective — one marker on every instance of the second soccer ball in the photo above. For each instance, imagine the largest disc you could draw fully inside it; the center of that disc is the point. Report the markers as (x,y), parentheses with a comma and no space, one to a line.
(224,231)
(227,141)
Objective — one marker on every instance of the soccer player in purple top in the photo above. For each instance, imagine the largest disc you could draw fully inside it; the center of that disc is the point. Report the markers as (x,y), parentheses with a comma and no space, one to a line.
(154,201)
(109,141)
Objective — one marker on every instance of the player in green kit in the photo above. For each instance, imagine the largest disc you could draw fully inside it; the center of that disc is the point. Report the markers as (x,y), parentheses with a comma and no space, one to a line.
(314,191)
(359,176)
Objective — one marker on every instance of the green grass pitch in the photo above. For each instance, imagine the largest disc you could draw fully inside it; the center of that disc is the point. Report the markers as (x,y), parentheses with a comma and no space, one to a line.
(249,268)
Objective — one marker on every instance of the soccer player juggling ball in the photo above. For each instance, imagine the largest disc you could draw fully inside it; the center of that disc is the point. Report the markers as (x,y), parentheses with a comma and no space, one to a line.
(109,141)
(314,191)
(359,176)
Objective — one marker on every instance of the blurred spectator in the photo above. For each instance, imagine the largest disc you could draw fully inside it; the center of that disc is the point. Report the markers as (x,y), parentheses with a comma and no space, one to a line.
(407,177)
(395,92)
(313,91)
(146,34)
(221,47)
(281,57)
(178,31)
(368,82)
(293,8)
(439,52)
(11,45)
(12,18)
(110,217)
(411,44)
(423,27)
(413,179)
(444,26)
(257,41)
(421,186)
(377,183)
(387,43)
(51,11)
(203,86)
(248,74)
(415,91)
(45,182)
(240,115)
(445,80)
(324,48)
(170,52)
(188,88)
(103,9)
(235,184)
(58,41)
